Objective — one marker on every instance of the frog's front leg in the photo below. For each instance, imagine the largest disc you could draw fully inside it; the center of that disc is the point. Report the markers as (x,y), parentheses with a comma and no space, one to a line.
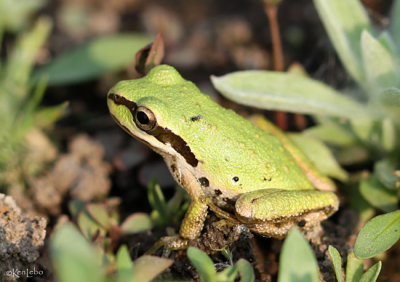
(272,212)
(193,221)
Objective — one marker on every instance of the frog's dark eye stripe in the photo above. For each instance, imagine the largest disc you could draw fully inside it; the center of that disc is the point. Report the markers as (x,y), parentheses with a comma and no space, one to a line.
(119,100)
(166,136)
(145,120)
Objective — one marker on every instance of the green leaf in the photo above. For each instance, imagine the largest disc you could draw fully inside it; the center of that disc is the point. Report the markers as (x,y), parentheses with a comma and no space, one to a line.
(384,171)
(202,263)
(137,222)
(89,226)
(390,100)
(357,201)
(351,155)
(333,134)
(74,259)
(336,261)
(319,155)
(125,271)
(379,63)
(354,268)
(371,275)
(15,15)
(99,213)
(286,92)
(22,58)
(297,262)
(227,275)
(378,195)
(386,40)
(146,268)
(390,97)
(378,235)
(344,20)
(388,135)
(245,270)
(395,21)
(98,57)
(158,203)
(49,115)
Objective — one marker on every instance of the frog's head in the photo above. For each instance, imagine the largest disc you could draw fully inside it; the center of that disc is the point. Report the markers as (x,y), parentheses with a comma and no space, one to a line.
(148,108)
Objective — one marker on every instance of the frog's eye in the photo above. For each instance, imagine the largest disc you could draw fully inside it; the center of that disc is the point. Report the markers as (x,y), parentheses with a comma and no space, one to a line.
(145,119)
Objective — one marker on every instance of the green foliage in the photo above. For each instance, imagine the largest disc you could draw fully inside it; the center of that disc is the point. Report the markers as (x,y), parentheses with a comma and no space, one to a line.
(320,155)
(355,131)
(100,56)
(163,212)
(208,273)
(20,113)
(378,235)
(371,275)
(286,92)
(15,15)
(337,262)
(75,259)
(297,261)
(354,269)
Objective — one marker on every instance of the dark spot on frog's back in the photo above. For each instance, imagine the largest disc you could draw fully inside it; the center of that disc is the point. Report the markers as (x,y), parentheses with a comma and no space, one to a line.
(196,118)
(204,181)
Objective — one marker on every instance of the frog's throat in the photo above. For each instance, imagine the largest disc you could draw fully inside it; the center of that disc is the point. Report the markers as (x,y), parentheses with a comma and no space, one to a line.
(162,134)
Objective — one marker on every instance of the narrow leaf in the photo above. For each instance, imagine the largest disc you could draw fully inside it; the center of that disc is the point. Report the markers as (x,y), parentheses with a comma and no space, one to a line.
(384,171)
(378,235)
(378,195)
(395,21)
(99,213)
(286,92)
(371,275)
(319,155)
(149,267)
(354,268)
(390,97)
(202,263)
(297,261)
(336,261)
(245,270)
(390,100)
(125,269)
(73,257)
(344,20)
(137,222)
(386,40)
(100,56)
(379,63)
(332,134)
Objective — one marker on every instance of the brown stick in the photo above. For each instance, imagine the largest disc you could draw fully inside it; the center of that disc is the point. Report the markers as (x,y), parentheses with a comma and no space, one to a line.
(271,10)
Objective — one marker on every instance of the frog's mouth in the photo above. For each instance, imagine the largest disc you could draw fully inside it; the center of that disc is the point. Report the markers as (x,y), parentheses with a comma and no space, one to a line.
(162,134)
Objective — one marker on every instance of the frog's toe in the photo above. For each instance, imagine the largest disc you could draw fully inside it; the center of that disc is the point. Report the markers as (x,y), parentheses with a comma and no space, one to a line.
(169,243)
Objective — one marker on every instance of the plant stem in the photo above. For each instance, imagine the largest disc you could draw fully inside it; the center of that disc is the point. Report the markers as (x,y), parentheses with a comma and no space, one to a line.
(271,10)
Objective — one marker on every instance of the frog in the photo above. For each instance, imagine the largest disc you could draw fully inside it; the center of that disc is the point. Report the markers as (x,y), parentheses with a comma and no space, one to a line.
(247,172)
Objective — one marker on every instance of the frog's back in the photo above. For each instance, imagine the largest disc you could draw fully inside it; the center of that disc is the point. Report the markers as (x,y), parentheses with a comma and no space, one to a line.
(233,154)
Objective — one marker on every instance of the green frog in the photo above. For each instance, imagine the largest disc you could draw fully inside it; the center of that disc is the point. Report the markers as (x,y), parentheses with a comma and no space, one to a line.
(247,174)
